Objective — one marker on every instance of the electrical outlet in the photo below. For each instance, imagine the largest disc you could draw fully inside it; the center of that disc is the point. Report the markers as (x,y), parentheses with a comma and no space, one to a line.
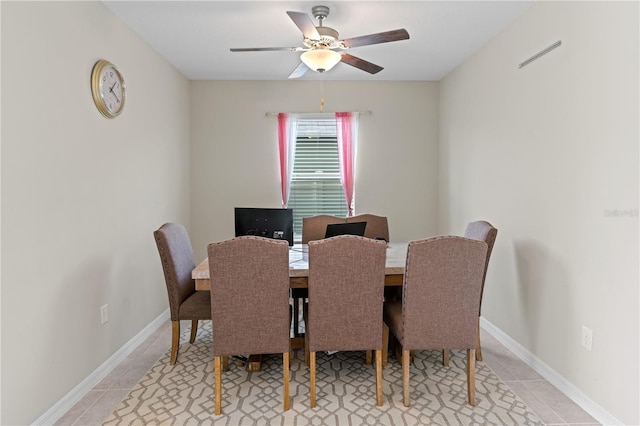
(586,340)
(104,314)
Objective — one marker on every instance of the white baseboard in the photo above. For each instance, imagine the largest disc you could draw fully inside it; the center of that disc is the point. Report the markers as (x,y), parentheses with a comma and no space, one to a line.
(69,400)
(552,376)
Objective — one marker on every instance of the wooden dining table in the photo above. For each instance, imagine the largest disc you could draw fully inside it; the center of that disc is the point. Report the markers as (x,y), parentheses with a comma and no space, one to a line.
(299,267)
(299,278)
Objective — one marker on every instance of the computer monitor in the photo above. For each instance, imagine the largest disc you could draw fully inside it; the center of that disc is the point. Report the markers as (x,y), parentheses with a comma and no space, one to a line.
(264,222)
(350,228)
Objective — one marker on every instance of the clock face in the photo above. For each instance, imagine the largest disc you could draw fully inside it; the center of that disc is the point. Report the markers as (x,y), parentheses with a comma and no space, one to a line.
(107,85)
(111,89)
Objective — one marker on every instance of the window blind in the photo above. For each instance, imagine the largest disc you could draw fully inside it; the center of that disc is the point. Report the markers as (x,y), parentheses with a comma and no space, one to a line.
(315,183)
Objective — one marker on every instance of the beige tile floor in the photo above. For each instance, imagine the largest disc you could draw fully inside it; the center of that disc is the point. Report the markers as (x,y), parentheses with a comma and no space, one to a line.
(551,405)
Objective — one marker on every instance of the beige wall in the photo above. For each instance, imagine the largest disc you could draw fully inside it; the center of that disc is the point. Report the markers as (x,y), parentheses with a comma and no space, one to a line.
(235,155)
(81,196)
(545,153)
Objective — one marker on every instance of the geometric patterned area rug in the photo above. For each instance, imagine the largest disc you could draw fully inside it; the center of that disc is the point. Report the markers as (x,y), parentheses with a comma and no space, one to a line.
(182,394)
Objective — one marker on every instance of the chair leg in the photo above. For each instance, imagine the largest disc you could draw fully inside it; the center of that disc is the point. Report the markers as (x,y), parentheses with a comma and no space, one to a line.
(291,317)
(296,313)
(285,379)
(175,341)
(218,384)
(312,379)
(379,377)
(471,376)
(478,348)
(306,347)
(225,363)
(397,348)
(385,344)
(305,316)
(368,358)
(445,357)
(194,331)
(405,377)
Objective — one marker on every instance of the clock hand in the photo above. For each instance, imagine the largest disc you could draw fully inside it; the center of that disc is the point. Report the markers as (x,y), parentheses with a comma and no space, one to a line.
(114,93)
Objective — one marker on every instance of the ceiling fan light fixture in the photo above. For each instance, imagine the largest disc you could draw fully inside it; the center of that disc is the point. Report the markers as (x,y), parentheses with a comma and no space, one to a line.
(320,60)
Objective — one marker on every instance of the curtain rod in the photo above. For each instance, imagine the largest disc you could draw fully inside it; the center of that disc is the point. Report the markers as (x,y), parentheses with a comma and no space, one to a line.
(272,114)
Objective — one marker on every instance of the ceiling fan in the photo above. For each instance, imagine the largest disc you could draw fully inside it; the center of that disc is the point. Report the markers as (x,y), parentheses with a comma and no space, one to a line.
(323,49)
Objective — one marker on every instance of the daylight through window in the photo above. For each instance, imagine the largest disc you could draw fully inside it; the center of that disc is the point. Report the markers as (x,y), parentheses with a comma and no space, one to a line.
(315,182)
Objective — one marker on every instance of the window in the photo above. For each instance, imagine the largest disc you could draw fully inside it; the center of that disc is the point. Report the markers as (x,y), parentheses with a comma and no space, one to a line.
(315,186)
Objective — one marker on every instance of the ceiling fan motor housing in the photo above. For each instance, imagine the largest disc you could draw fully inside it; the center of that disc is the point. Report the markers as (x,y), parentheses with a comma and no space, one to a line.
(328,39)
(328,36)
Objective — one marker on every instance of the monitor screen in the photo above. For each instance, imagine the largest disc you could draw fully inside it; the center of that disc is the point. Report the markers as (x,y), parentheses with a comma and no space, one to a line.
(269,223)
(350,228)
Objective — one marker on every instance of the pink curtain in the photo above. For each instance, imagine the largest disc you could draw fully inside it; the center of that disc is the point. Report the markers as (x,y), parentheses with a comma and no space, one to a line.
(347,126)
(287,126)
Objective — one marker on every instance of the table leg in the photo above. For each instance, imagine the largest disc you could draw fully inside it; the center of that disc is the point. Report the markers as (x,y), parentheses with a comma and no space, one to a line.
(254,363)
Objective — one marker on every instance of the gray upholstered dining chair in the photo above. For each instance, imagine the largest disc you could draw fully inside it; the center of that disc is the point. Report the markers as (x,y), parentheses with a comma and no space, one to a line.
(482,231)
(440,301)
(346,287)
(249,303)
(185,303)
(315,227)
(377,226)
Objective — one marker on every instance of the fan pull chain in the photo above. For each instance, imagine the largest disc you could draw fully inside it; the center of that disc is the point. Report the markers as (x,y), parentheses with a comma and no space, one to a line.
(321,93)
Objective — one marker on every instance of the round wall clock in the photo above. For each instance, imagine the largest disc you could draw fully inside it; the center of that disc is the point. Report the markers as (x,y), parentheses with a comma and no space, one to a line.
(108,89)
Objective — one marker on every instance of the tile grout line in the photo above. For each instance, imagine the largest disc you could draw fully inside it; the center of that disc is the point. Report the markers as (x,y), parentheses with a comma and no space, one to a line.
(506,382)
(533,394)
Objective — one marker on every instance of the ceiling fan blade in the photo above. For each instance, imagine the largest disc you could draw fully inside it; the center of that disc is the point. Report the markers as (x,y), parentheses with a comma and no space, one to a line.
(376,38)
(299,71)
(267,49)
(305,24)
(361,64)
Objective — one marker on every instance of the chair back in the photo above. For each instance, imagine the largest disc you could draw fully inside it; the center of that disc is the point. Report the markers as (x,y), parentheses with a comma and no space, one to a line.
(314,227)
(346,288)
(176,255)
(377,226)
(249,296)
(482,231)
(441,293)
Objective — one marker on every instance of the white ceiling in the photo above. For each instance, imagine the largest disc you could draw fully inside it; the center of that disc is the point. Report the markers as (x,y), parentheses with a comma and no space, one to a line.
(195,36)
